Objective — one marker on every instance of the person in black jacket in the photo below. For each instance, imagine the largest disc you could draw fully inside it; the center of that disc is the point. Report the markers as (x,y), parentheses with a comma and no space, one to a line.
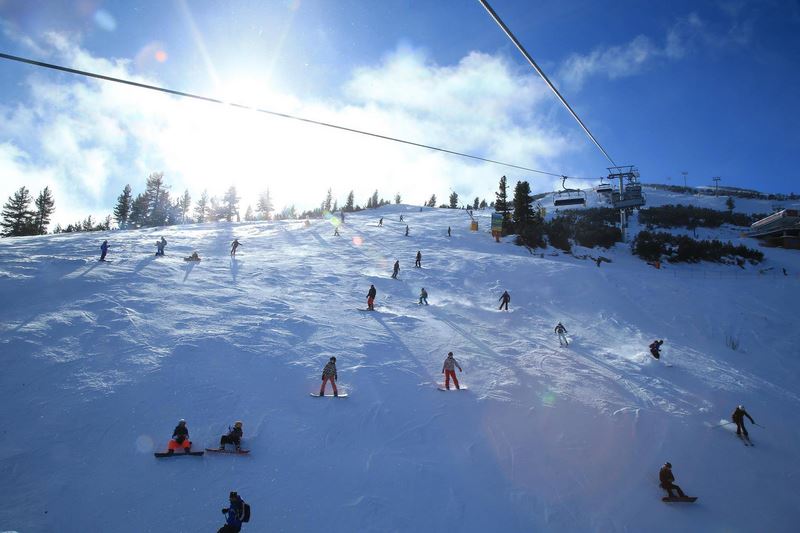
(396,269)
(234,515)
(180,438)
(418,262)
(371,297)
(234,436)
(504,299)
(667,481)
(738,417)
(655,349)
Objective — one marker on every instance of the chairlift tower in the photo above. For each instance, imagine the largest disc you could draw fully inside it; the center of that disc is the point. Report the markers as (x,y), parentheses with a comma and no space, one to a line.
(629,196)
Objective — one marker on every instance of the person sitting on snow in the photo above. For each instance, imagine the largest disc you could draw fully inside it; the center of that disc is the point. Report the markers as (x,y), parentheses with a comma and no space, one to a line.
(234,436)
(180,438)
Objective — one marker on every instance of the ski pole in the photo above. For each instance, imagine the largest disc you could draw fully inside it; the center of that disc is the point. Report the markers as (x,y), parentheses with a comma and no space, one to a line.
(759,425)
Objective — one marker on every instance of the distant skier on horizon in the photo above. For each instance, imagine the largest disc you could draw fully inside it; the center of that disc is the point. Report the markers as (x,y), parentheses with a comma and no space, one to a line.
(329,374)
(504,299)
(449,371)
(401,218)
(423,296)
(738,418)
(180,438)
(448,231)
(406,230)
(562,337)
(371,297)
(418,262)
(396,269)
(380,222)
(655,348)
(234,246)
(667,479)
(103,250)
(336,231)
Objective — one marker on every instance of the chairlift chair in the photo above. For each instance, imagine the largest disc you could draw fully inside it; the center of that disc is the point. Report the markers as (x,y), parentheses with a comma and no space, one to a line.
(569,196)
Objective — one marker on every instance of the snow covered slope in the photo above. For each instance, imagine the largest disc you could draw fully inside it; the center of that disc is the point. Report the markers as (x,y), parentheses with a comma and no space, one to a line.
(100,360)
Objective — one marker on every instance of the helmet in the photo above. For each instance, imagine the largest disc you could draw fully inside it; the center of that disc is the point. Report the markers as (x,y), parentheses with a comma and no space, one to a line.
(333,359)
(741,407)
(449,353)
(238,424)
(182,421)
(668,464)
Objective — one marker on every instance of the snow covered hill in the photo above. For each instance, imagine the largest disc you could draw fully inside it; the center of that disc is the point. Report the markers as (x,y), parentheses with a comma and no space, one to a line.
(100,360)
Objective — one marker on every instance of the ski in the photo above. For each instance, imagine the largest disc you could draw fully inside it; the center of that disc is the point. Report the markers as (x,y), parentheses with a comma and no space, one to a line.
(165,454)
(745,440)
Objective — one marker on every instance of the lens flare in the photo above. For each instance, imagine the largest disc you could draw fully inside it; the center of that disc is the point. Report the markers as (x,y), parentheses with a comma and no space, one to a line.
(161,56)
(358,241)
(144,444)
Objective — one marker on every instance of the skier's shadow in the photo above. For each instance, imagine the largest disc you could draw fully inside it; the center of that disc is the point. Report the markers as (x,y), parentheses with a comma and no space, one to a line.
(143,263)
(234,268)
(188,268)
(89,269)
(423,370)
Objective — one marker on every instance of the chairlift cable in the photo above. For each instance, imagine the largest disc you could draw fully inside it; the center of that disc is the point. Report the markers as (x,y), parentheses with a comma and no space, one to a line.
(543,76)
(267,111)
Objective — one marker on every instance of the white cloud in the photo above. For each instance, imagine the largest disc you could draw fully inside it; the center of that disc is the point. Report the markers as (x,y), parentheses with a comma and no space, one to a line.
(87,139)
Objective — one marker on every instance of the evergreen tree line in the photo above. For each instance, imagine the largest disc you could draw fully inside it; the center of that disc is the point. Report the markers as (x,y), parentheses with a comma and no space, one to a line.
(19,219)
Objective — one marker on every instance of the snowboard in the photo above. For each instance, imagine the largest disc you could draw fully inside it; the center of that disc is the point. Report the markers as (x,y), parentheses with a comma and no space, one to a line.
(177,454)
(341,395)
(229,452)
(441,387)
(677,499)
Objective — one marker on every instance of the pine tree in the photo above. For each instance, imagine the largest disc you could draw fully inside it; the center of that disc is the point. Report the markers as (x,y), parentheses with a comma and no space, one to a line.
(248,214)
(158,200)
(326,205)
(138,215)
(523,212)
(264,206)
(17,216)
(348,206)
(476,203)
(122,211)
(201,210)
(483,204)
(335,206)
(729,203)
(106,224)
(432,201)
(231,204)
(453,200)
(184,204)
(375,201)
(397,198)
(501,205)
(45,205)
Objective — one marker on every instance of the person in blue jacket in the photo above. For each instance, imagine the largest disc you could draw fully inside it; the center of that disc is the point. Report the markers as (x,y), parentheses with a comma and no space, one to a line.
(103,250)
(234,515)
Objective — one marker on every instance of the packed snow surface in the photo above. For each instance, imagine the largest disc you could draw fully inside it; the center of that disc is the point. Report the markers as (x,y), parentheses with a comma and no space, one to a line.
(100,360)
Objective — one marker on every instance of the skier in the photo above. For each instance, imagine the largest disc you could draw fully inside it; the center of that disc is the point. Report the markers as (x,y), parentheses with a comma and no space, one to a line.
(655,349)
(423,296)
(401,218)
(234,245)
(738,417)
(180,438)
(234,515)
(336,231)
(329,374)
(380,222)
(504,299)
(103,250)
(160,245)
(396,269)
(449,370)
(371,297)
(562,338)
(406,230)
(448,231)
(418,262)
(234,436)
(667,479)
(193,257)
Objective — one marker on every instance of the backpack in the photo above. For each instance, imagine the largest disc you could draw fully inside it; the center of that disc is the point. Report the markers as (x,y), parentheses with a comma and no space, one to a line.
(245,512)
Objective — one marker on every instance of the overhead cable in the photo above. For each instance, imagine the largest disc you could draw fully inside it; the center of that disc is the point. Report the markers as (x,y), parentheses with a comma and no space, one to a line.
(266,111)
(544,76)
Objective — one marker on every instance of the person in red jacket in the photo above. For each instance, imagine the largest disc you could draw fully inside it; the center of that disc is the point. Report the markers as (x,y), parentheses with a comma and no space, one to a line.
(449,370)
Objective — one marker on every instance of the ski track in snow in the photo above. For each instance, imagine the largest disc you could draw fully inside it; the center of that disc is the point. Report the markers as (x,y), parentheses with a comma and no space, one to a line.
(101,359)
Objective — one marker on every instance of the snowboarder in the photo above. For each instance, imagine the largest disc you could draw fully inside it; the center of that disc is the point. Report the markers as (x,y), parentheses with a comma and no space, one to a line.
(371,297)
(336,231)
(234,245)
(160,245)
(449,370)
(448,231)
(655,349)
(423,296)
(418,262)
(380,222)
(234,436)
(193,257)
(561,331)
(738,418)
(180,438)
(396,269)
(401,218)
(234,515)
(504,299)
(329,374)
(103,250)
(667,479)
(406,230)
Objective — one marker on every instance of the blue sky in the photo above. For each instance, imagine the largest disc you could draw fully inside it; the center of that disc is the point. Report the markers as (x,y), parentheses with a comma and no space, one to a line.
(705,87)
